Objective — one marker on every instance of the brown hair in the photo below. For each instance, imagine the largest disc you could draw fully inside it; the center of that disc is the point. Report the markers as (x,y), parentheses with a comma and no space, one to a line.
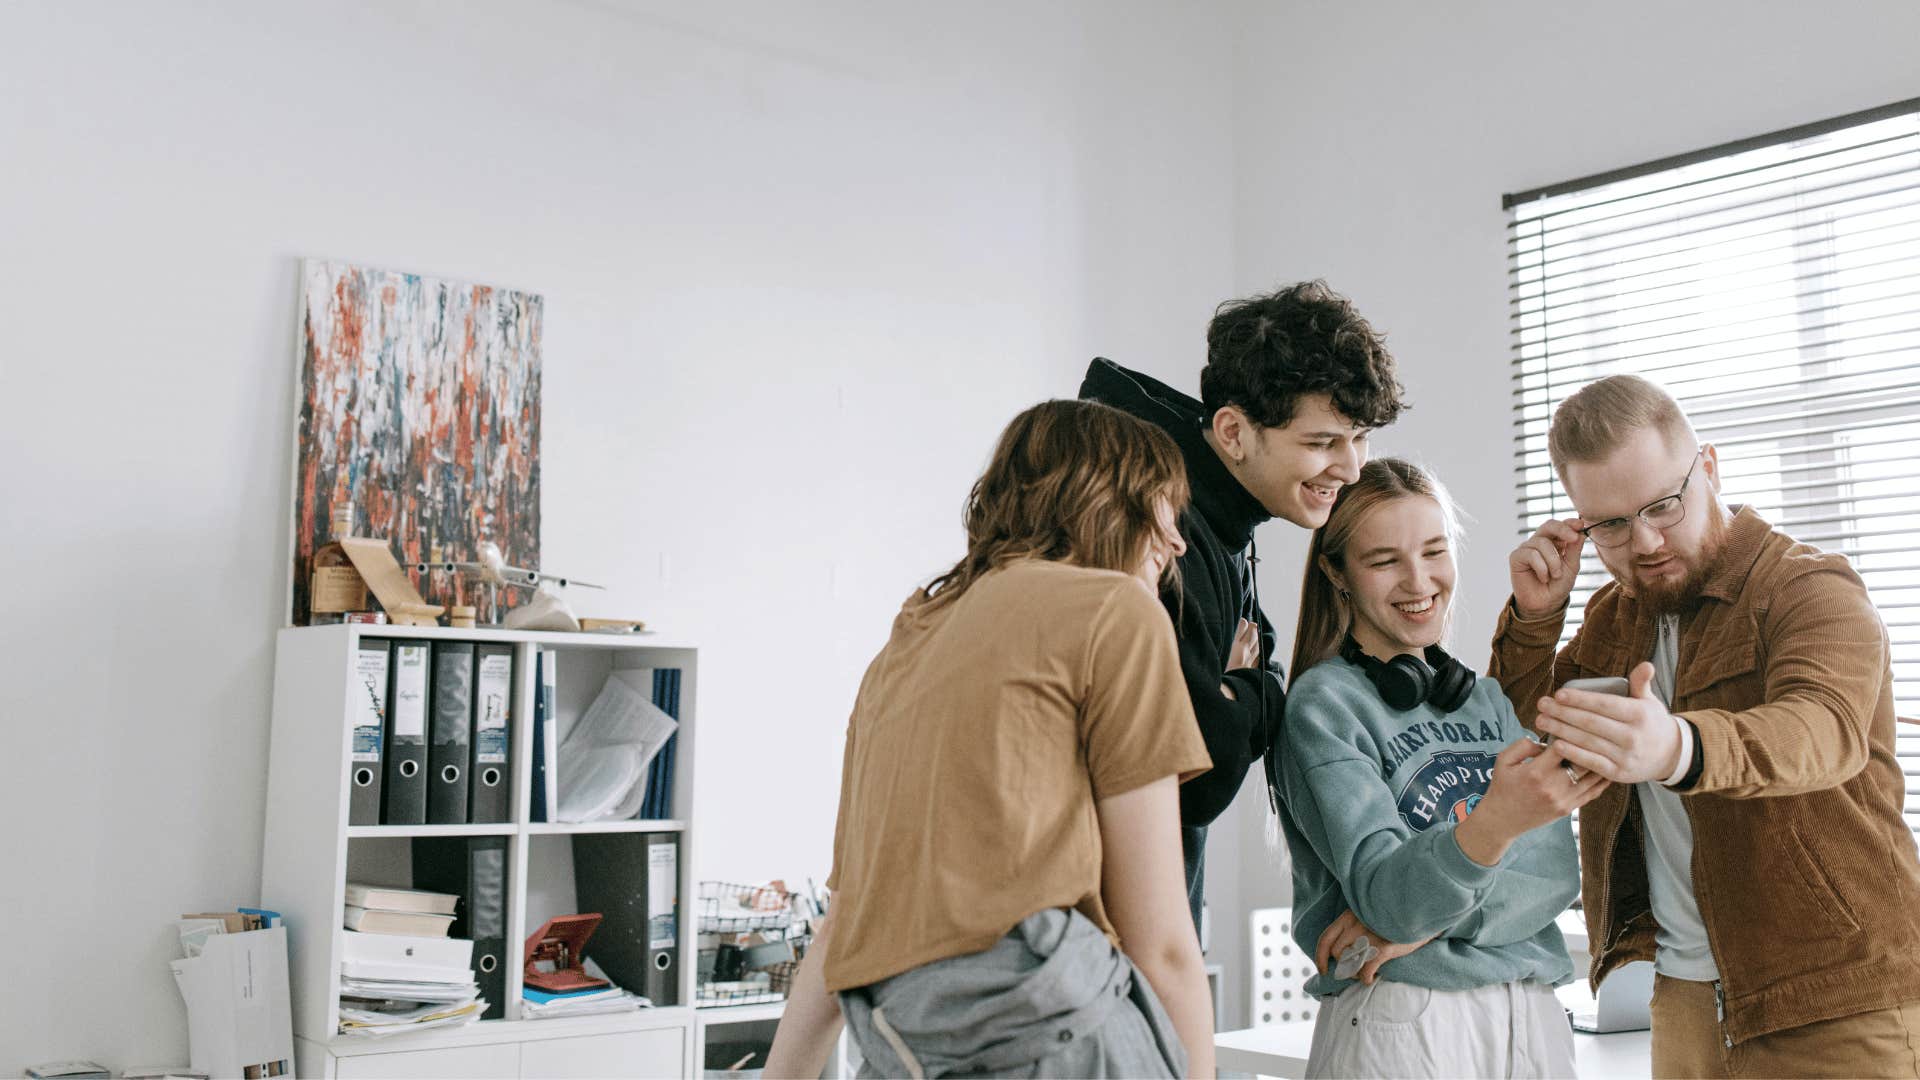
(1265,352)
(1070,481)
(1325,613)
(1594,420)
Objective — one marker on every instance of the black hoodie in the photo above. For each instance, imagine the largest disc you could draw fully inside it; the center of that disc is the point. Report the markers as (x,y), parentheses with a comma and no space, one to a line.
(1216,593)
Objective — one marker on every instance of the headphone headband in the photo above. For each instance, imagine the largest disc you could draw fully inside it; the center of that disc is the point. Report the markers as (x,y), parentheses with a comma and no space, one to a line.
(1406,681)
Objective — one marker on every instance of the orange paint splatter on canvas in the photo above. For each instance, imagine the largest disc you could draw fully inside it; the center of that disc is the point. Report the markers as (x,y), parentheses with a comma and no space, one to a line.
(420,404)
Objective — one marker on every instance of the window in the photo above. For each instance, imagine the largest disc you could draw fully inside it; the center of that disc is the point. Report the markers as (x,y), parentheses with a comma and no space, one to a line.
(1773,286)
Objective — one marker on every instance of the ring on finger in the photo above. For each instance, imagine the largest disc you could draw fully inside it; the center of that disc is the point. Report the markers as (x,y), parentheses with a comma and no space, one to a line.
(1573,774)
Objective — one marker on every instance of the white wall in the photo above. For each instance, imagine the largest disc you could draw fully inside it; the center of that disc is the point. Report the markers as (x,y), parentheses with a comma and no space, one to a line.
(1392,129)
(801,262)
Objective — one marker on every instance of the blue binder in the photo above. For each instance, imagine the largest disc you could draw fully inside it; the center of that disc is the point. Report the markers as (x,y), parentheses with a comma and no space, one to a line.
(542,716)
(658,802)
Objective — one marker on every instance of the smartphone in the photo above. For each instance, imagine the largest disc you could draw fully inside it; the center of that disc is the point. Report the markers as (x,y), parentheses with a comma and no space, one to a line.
(1611,684)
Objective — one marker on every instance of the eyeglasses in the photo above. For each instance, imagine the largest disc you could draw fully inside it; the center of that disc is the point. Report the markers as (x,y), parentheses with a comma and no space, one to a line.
(1660,513)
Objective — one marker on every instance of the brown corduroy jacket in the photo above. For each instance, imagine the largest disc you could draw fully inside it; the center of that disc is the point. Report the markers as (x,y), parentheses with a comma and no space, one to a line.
(1803,866)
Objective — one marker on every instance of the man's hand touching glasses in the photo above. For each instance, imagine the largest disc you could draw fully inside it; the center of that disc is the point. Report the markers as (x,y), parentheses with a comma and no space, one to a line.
(1543,567)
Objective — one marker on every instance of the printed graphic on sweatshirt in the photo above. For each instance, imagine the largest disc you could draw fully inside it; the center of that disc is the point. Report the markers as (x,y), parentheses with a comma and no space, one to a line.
(1404,747)
(1445,789)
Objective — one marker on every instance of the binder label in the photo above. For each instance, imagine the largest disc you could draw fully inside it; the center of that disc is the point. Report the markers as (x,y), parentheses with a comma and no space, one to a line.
(490,728)
(370,702)
(663,880)
(410,692)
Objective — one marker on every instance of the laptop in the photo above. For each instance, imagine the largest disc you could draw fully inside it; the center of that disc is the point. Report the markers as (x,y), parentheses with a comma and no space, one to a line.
(1623,1002)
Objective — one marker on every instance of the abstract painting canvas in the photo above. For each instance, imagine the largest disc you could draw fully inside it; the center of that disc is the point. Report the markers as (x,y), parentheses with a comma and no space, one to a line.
(420,408)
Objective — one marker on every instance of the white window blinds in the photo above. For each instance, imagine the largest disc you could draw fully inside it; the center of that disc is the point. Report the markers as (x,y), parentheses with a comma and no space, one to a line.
(1773,286)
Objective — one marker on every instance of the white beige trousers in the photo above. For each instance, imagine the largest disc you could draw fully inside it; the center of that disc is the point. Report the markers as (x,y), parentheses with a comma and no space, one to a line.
(1391,1029)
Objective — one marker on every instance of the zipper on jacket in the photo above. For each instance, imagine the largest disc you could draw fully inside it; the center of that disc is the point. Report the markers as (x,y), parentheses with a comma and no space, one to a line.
(1719,984)
(1720,1012)
(1606,895)
(1607,930)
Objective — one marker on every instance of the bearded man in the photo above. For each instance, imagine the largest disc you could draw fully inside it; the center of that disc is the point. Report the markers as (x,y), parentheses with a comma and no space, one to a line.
(1752,844)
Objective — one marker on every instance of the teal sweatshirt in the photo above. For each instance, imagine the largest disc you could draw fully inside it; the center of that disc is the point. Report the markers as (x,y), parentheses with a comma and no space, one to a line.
(1370,797)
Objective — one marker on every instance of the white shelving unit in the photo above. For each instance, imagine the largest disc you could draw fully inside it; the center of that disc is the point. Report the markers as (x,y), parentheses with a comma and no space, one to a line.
(721,1023)
(311,852)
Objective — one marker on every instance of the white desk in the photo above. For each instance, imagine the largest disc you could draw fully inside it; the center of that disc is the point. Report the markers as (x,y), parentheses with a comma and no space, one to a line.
(1281,1050)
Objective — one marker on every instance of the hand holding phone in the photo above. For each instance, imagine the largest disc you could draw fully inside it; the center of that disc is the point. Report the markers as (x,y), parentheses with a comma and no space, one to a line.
(1629,737)
(1606,684)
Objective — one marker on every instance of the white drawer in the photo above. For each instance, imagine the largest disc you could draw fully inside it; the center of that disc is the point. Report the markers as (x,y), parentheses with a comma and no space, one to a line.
(499,1061)
(656,1053)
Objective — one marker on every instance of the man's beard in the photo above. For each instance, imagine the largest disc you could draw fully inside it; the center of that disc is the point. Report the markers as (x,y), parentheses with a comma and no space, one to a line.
(1679,597)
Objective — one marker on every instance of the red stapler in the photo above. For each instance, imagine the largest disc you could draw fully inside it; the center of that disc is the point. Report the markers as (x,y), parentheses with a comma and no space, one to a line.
(554,953)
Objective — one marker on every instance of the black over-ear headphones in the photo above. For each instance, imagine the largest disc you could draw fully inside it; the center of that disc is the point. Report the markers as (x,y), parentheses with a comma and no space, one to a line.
(1406,681)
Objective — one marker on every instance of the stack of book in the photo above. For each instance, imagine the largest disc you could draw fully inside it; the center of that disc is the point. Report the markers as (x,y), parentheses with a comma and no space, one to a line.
(381,909)
(536,1004)
(392,980)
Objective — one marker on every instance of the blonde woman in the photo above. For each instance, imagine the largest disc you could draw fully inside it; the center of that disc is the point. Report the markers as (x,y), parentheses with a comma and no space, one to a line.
(1414,801)
(1008,891)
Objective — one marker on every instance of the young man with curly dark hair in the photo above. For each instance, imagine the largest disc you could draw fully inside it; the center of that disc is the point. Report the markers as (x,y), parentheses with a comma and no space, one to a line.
(1294,382)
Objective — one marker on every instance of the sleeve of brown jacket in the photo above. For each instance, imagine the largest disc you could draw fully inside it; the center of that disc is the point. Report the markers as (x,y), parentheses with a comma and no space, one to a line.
(1824,652)
(1525,662)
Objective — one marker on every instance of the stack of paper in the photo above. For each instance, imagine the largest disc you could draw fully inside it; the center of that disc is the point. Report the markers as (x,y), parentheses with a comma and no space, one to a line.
(239,1015)
(391,982)
(68,1070)
(385,1017)
(539,1003)
(606,753)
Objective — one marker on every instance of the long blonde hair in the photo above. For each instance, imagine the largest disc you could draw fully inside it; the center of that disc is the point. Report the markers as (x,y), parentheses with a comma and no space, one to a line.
(1326,615)
(1069,481)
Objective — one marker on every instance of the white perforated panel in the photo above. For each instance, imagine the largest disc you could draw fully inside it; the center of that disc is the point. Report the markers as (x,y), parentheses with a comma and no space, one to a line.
(1279,971)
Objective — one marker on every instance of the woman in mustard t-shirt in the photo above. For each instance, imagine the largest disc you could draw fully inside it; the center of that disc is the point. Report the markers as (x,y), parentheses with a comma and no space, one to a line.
(1007,856)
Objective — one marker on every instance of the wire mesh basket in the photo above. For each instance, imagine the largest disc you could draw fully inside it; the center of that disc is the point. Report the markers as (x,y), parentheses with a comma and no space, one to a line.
(729,908)
(750,946)
(758,987)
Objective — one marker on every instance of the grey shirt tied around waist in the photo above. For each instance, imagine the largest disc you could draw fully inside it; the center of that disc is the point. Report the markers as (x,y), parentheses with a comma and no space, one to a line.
(1052,998)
